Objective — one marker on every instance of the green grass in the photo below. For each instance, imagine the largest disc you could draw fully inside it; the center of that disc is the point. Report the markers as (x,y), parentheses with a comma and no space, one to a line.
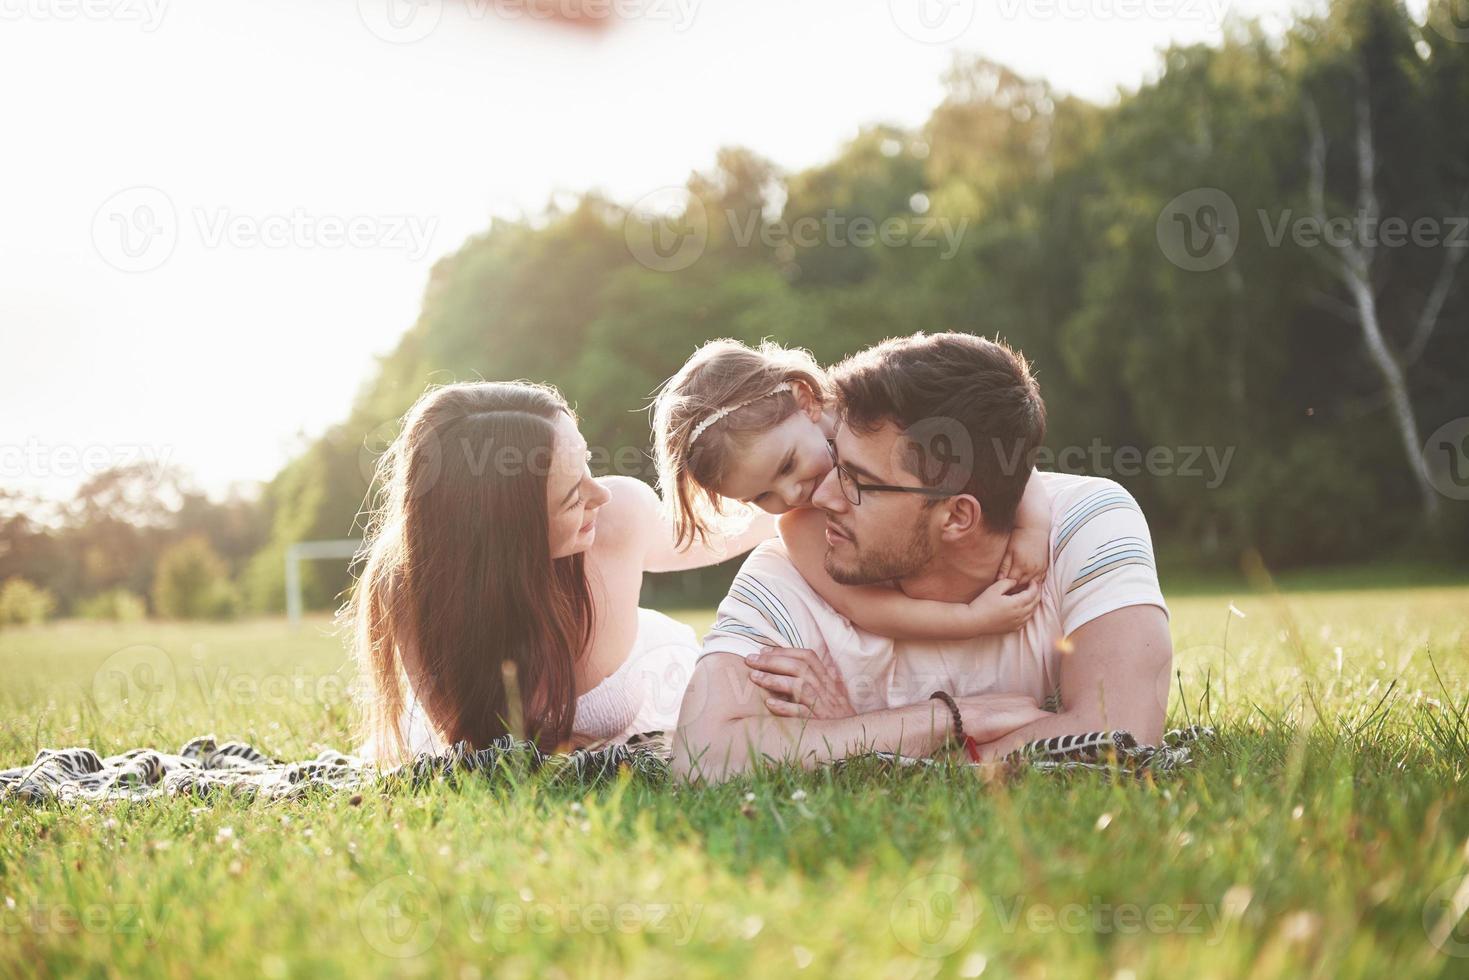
(1185,579)
(1322,836)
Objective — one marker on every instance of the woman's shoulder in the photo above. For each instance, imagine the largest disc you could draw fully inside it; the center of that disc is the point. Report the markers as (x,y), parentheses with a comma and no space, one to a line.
(631,499)
(630,513)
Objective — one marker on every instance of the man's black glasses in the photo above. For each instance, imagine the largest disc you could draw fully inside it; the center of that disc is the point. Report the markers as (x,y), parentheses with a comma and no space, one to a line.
(852,488)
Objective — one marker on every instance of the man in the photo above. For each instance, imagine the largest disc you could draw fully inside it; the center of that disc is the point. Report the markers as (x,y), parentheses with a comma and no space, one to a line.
(933,451)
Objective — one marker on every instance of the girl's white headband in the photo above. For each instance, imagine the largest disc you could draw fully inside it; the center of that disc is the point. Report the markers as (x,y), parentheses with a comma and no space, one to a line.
(715,416)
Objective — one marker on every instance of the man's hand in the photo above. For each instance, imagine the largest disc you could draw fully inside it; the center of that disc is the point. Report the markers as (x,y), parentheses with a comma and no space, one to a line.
(988,717)
(802,683)
(724,727)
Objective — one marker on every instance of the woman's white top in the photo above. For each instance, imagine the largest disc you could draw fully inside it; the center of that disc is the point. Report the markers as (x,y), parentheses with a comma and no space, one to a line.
(643,695)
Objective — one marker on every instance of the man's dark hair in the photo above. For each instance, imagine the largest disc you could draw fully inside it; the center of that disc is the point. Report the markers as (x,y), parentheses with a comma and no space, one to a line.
(970,408)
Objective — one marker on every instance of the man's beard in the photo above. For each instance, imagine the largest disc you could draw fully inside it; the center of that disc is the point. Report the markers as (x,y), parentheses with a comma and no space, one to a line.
(902,556)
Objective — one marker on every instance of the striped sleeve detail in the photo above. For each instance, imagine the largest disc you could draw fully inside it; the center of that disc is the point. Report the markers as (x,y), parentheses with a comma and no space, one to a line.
(733,627)
(1114,554)
(1089,508)
(757,595)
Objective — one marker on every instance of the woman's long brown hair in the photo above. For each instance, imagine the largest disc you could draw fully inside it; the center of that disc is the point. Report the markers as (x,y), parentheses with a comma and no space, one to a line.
(459,602)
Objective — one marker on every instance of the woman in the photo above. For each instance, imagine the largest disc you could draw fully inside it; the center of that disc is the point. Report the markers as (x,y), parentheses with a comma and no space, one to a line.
(501,582)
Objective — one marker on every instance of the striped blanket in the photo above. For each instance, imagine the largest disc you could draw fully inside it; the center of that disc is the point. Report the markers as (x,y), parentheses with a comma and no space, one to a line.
(205,769)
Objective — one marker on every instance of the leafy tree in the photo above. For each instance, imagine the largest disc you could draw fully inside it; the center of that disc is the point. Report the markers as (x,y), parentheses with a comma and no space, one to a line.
(192,582)
(24,604)
(116,605)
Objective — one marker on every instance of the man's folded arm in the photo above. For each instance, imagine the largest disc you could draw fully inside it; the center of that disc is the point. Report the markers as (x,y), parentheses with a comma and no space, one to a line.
(1115,676)
(724,727)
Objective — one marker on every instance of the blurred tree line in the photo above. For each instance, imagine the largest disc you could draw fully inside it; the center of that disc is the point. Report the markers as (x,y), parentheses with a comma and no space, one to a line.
(1312,368)
(134,538)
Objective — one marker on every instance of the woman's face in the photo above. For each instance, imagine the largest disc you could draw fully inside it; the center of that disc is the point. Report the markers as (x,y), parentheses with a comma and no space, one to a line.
(779,469)
(573,497)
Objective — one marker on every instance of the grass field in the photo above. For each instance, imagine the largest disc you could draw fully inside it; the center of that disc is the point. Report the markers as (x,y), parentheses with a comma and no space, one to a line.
(1326,833)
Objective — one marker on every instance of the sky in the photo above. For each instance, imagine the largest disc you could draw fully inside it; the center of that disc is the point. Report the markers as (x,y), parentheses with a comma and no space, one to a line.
(218,215)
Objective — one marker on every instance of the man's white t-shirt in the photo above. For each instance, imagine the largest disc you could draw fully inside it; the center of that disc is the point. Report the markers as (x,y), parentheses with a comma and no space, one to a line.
(1101,561)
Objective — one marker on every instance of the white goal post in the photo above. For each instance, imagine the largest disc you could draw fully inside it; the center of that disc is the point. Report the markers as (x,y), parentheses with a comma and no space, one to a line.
(310,551)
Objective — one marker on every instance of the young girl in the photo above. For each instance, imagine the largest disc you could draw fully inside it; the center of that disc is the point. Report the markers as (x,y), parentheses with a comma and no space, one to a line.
(754,427)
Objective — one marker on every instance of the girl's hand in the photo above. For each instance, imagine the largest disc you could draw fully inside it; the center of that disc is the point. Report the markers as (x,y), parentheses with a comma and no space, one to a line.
(1027,556)
(998,611)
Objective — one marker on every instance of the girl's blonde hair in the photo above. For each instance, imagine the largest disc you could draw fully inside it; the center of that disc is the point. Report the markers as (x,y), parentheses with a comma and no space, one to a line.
(693,453)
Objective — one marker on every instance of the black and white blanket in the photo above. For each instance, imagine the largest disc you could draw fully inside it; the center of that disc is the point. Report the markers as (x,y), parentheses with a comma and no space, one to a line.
(206,769)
